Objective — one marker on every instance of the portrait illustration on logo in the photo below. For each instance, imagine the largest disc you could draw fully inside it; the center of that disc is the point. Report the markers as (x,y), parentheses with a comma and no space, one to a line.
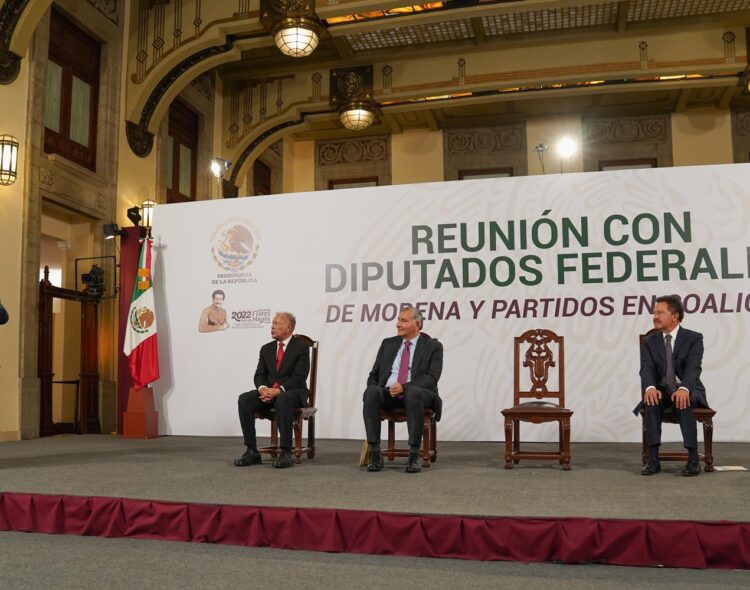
(235,246)
(214,317)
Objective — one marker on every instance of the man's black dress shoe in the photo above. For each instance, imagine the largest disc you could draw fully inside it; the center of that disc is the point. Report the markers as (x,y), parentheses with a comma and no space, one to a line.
(249,458)
(376,461)
(652,467)
(414,465)
(692,468)
(284,460)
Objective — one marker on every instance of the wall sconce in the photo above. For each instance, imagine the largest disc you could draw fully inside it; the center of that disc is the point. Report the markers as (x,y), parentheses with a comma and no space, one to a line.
(8,159)
(350,94)
(295,27)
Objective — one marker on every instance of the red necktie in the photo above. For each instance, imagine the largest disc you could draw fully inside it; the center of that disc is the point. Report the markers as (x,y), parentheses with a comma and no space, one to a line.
(403,369)
(279,357)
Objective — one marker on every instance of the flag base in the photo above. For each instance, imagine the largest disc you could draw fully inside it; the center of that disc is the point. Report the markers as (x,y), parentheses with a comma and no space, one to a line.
(140,420)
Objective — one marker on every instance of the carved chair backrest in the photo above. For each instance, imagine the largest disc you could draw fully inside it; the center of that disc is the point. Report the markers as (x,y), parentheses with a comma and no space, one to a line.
(533,356)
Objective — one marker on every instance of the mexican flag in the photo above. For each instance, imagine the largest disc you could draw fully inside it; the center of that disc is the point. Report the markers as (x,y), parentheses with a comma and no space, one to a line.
(140,336)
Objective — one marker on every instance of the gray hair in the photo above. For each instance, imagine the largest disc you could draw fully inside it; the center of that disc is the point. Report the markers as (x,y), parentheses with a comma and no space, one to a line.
(290,317)
(416,315)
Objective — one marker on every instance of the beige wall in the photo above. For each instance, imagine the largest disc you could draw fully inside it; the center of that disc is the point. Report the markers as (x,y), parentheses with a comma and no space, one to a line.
(702,136)
(549,130)
(299,166)
(417,156)
(13,117)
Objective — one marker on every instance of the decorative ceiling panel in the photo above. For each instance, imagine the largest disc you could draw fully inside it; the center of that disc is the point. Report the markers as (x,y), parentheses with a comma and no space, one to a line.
(416,35)
(644,10)
(555,19)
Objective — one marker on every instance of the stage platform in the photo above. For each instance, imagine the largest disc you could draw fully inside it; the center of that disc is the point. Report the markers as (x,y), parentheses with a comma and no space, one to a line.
(96,485)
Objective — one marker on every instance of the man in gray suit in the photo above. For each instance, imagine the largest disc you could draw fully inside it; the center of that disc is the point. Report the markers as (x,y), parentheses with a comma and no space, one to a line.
(405,375)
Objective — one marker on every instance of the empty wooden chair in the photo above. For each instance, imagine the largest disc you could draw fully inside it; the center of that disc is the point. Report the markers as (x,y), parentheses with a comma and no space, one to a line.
(532,354)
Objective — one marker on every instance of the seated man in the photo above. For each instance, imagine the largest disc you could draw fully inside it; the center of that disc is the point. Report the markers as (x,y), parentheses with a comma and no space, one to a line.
(405,375)
(670,378)
(281,383)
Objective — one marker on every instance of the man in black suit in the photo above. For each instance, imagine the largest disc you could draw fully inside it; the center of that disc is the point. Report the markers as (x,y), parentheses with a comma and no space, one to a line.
(405,375)
(3,314)
(281,383)
(670,378)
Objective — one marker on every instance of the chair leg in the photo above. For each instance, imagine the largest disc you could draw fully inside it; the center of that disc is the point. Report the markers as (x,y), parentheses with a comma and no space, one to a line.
(566,444)
(516,439)
(508,443)
(644,446)
(311,437)
(298,439)
(274,437)
(391,439)
(433,440)
(708,443)
(425,442)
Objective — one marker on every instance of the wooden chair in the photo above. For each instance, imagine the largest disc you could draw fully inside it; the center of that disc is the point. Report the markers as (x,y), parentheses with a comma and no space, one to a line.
(429,436)
(306,413)
(538,358)
(703,415)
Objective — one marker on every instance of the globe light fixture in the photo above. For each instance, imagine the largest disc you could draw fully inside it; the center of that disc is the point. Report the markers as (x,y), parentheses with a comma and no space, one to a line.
(358,115)
(296,37)
(293,24)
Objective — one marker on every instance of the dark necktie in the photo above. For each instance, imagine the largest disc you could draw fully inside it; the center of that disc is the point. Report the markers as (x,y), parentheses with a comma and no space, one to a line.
(403,369)
(671,379)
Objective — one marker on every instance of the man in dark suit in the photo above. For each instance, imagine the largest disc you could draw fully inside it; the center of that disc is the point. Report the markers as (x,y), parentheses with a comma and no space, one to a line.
(405,375)
(670,378)
(3,314)
(281,384)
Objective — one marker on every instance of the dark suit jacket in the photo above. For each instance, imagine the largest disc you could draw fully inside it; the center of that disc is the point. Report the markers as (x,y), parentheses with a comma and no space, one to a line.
(295,365)
(3,315)
(426,366)
(688,357)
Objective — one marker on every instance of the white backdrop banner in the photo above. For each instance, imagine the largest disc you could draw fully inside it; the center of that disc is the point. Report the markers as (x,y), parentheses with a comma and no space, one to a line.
(581,254)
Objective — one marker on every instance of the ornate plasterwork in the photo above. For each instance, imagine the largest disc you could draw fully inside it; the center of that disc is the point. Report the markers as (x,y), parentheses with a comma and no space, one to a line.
(352,151)
(484,141)
(600,131)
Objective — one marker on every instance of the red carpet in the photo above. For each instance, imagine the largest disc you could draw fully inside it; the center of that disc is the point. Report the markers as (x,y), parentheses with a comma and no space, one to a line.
(669,543)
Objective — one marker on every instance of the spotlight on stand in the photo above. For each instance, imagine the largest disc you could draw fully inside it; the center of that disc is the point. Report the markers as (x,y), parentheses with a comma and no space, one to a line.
(540,148)
(566,147)
(219,167)
(111,230)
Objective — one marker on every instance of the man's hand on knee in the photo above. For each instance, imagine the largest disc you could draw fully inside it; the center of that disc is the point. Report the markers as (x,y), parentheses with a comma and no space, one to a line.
(681,399)
(396,390)
(652,397)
